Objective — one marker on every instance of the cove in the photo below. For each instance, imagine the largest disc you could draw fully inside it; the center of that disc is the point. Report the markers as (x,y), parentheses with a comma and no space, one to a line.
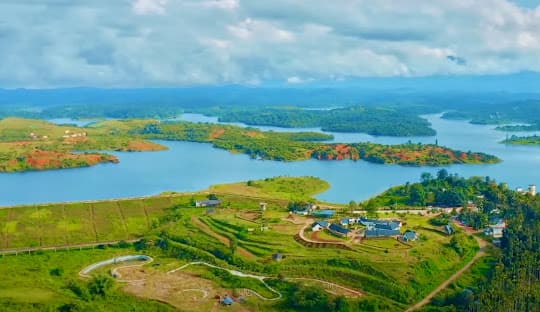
(188,166)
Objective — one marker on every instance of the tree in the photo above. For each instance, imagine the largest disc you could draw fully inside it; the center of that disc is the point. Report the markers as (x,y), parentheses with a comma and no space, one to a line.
(442,174)
(417,195)
(371,207)
(352,205)
(426,177)
(100,285)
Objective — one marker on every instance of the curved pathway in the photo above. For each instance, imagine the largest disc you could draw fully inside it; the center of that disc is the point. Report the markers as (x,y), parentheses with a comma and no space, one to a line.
(145,260)
(481,252)
(236,273)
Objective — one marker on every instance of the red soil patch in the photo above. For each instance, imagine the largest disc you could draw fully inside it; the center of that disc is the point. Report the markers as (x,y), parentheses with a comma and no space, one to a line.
(144,146)
(217,133)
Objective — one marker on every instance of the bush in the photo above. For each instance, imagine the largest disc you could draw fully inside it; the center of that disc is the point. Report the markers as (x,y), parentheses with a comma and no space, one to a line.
(100,285)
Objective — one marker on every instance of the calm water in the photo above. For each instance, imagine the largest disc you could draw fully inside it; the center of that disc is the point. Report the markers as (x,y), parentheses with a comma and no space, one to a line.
(194,166)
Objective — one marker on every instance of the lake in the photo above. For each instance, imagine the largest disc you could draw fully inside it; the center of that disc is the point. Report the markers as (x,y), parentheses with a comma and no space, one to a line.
(190,166)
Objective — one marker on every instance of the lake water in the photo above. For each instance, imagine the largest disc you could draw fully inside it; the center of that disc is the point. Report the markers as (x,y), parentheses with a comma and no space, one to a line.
(190,166)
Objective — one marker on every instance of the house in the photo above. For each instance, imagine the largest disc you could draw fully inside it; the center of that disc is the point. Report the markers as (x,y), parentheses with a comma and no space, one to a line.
(339,230)
(301,212)
(324,213)
(391,226)
(410,236)
(496,230)
(348,221)
(208,203)
(376,232)
(449,229)
(381,224)
(277,256)
(227,300)
(319,225)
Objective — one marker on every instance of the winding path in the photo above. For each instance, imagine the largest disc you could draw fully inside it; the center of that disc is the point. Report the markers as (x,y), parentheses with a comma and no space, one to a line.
(237,273)
(482,252)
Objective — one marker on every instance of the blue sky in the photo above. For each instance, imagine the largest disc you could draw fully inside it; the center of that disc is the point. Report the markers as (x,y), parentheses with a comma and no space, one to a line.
(59,43)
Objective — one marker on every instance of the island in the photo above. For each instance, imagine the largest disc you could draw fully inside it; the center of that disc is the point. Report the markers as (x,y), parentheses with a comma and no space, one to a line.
(523,140)
(30,144)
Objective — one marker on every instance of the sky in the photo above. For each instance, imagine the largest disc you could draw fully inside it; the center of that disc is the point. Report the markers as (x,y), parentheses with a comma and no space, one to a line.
(152,43)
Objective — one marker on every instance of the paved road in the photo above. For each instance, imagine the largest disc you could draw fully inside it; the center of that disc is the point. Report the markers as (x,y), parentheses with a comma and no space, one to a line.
(482,252)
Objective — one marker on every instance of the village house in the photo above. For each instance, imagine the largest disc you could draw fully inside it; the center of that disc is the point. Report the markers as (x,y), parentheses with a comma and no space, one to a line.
(208,203)
(496,229)
(323,213)
(339,230)
(319,225)
(410,236)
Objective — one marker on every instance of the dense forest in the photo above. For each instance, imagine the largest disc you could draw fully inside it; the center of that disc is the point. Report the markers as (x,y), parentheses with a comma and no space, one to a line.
(513,279)
(382,120)
(499,113)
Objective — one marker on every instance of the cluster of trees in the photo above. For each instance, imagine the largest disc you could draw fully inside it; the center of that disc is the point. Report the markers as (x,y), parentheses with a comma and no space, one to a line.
(498,113)
(445,190)
(525,140)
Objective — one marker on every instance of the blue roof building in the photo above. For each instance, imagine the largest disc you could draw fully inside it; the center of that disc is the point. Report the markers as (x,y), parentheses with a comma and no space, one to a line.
(339,229)
(373,233)
(325,213)
(410,236)
(227,300)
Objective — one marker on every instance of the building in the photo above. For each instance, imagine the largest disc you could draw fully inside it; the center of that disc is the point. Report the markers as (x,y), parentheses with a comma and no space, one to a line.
(208,203)
(496,230)
(375,233)
(339,230)
(227,301)
(532,190)
(277,256)
(383,224)
(319,225)
(410,236)
(323,213)
(449,229)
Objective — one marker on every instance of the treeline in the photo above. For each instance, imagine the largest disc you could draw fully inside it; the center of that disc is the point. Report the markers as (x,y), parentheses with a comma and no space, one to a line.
(526,111)
(446,190)
(380,120)
(524,140)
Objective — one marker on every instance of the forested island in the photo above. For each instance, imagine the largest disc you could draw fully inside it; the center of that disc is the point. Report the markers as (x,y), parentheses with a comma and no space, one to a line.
(523,140)
(380,120)
(36,144)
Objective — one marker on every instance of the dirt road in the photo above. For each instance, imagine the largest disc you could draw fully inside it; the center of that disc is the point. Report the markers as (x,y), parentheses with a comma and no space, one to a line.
(482,252)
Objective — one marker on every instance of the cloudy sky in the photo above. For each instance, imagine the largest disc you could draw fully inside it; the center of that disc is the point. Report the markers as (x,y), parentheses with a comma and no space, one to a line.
(54,43)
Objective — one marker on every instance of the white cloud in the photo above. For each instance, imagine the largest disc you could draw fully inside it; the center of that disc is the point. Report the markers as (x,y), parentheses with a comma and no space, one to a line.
(178,42)
(144,7)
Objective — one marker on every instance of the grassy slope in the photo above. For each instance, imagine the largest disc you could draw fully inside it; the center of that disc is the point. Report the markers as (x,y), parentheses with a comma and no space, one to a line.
(384,269)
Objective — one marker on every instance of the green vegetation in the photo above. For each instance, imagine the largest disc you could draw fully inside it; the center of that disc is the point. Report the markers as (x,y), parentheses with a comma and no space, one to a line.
(28,285)
(519,128)
(238,235)
(497,113)
(526,140)
(381,120)
(37,145)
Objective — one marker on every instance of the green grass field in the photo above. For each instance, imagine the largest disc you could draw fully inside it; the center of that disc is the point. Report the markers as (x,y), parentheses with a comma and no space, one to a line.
(392,273)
